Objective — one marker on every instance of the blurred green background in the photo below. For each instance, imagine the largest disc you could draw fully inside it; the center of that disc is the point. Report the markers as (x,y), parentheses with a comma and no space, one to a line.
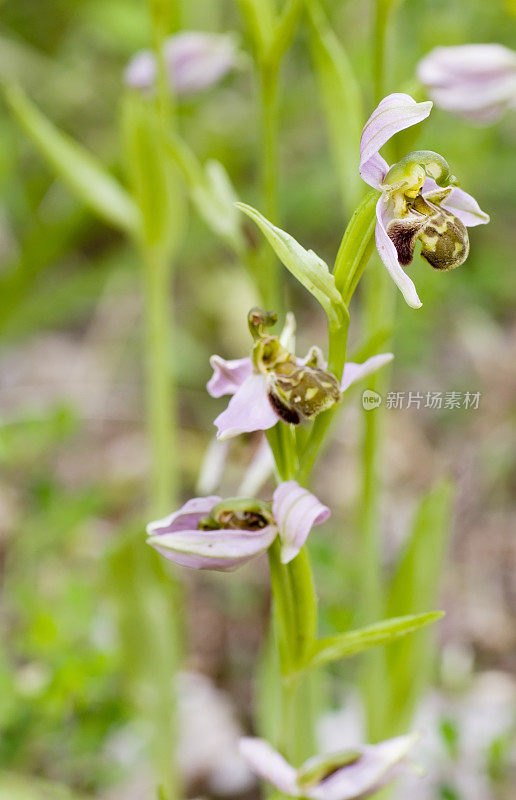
(72,441)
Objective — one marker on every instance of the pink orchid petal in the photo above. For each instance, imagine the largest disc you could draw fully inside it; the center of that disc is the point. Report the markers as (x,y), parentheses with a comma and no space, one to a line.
(355,372)
(220,550)
(259,470)
(374,171)
(465,207)
(296,511)
(445,65)
(268,764)
(476,81)
(249,410)
(194,61)
(186,518)
(374,769)
(393,114)
(460,203)
(228,375)
(212,467)
(389,256)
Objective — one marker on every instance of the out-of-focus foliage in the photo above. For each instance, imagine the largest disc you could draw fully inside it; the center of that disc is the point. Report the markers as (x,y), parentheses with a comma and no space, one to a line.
(71,437)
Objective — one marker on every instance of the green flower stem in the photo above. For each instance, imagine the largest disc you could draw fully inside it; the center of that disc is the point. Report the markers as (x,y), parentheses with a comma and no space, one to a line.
(379,298)
(354,253)
(294,605)
(163,491)
(162,426)
(379,314)
(161,395)
(268,78)
(295,618)
(337,357)
(381,29)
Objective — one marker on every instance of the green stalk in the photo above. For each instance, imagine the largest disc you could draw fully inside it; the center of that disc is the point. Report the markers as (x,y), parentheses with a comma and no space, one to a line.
(162,418)
(295,622)
(352,257)
(379,307)
(381,31)
(337,356)
(270,282)
(160,389)
(294,613)
(379,298)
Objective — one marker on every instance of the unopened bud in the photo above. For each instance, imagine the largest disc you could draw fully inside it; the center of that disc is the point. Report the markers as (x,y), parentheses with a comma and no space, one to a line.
(258,319)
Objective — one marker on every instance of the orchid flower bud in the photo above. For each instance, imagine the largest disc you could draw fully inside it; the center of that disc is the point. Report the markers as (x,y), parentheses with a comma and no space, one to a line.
(258,319)
(474,81)
(194,61)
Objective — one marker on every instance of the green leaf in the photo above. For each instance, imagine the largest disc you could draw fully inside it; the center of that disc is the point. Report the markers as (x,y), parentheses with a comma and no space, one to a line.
(341,98)
(356,246)
(345,645)
(153,174)
(305,265)
(415,586)
(78,168)
(212,193)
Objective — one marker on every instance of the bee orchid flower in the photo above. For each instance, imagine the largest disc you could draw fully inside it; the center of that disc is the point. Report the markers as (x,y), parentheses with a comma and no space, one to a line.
(274,385)
(474,81)
(419,198)
(347,775)
(194,61)
(211,533)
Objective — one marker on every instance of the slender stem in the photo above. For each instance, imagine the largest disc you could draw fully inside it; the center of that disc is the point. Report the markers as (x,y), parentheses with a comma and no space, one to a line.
(379,305)
(379,298)
(269,109)
(161,396)
(337,356)
(352,257)
(295,617)
(162,431)
(288,718)
(270,284)
(382,12)
(294,605)
(161,422)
